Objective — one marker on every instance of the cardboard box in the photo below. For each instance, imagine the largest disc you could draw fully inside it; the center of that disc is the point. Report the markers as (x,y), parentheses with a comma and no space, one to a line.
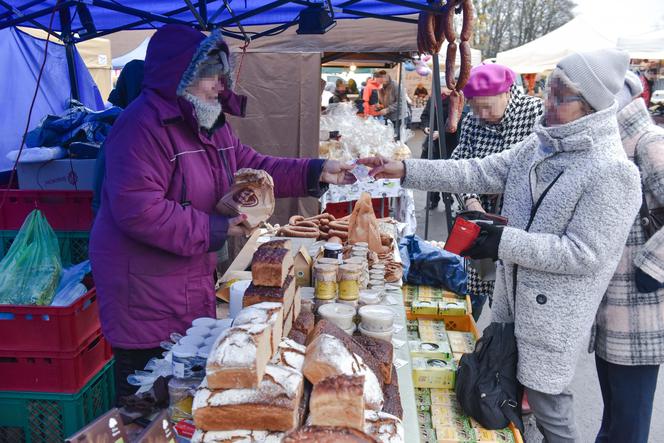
(158,431)
(64,174)
(443,397)
(430,349)
(108,428)
(433,373)
(302,264)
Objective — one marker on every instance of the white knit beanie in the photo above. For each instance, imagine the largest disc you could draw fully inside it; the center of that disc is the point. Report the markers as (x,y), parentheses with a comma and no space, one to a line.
(631,89)
(598,75)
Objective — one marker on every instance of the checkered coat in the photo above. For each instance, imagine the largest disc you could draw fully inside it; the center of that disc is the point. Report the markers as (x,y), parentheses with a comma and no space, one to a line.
(629,327)
(478,140)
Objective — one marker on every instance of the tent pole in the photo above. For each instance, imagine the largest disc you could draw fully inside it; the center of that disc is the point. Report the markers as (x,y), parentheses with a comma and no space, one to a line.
(67,38)
(399,119)
(447,198)
(432,116)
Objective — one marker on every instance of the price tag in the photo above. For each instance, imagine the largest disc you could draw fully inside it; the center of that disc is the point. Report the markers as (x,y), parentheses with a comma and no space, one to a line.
(400,363)
(398,343)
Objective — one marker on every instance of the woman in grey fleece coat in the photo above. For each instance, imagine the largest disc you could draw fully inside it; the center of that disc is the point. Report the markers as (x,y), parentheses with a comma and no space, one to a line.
(570,195)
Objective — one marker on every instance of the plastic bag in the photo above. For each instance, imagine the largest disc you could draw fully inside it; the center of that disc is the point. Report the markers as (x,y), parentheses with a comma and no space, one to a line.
(425,265)
(363,226)
(70,288)
(30,271)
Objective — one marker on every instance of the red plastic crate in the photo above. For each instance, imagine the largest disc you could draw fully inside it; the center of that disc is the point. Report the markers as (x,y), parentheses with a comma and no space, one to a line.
(48,329)
(64,210)
(343,209)
(64,372)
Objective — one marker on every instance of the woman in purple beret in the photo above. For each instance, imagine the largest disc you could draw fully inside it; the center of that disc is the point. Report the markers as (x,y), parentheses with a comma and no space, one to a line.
(500,117)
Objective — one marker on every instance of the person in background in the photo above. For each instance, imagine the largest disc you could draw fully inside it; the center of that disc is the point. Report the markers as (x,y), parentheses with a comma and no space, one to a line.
(352,87)
(421,91)
(339,93)
(127,88)
(648,76)
(571,196)
(171,156)
(370,96)
(451,139)
(393,103)
(628,335)
(501,116)
(325,94)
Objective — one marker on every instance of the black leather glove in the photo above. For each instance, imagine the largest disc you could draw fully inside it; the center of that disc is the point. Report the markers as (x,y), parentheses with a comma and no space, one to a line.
(645,283)
(486,244)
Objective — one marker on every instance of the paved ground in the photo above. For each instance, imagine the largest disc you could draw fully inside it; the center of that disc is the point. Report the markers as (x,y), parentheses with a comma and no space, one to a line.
(588,400)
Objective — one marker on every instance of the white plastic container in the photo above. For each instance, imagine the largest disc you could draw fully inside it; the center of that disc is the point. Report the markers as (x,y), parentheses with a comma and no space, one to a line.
(385,335)
(206,322)
(192,340)
(369,297)
(199,330)
(377,318)
(339,314)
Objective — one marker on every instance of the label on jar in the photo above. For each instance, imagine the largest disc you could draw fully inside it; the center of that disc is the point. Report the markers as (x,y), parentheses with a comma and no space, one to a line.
(326,290)
(349,290)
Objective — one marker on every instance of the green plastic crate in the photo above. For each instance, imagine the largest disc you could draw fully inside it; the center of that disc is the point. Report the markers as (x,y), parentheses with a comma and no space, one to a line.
(35,417)
(73,245)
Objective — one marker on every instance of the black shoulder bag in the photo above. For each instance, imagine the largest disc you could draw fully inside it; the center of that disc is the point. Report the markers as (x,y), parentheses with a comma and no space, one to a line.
(486,383)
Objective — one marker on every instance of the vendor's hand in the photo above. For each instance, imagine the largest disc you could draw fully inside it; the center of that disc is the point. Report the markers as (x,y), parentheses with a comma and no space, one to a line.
(474,204)
(337,173)
(436,135)
(382,167)
(427,131)
(236,228)
(486,244)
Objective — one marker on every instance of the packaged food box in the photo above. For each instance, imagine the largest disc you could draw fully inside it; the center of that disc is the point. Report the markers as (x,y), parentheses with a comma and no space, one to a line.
(488,436)
(443,397)
(435,325)
(433,373)
(433,335)
(443,415)
(461,342)
(412,325)
(456,431)
(451,306)
(424,307)
(430,349)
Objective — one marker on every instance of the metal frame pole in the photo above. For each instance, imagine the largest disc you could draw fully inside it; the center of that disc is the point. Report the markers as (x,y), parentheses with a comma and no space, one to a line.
(447,198)
(397,130)
(67,38)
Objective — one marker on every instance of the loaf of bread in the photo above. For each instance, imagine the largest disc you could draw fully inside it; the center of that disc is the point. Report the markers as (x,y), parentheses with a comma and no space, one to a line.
(259,294)
(297,337)
(288,321)
(297,303)
(276,244)
(273,406)
(326,434)
(392,404)
(264,313)
(382,351)
(384,427)
(327,327)
(237,436)
(338,401)
(290,354)
(327,357)
(269,267)
(304,322)
(239,357)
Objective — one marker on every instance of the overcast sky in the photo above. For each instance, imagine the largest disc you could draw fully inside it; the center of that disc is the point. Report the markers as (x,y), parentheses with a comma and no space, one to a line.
(631,17)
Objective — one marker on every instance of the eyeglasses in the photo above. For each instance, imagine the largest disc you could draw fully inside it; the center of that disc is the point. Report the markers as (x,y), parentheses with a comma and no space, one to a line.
(558,100)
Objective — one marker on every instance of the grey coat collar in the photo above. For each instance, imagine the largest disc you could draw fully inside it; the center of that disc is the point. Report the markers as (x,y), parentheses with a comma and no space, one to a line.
(580,135)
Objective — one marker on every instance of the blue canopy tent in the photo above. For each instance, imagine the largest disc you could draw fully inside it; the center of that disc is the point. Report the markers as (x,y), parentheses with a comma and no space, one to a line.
(78,20)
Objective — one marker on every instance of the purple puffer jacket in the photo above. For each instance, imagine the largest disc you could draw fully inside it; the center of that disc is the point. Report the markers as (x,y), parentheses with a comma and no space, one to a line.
(151,243)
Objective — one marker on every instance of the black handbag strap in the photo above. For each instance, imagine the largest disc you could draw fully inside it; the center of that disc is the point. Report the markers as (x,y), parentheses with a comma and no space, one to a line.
(533,213)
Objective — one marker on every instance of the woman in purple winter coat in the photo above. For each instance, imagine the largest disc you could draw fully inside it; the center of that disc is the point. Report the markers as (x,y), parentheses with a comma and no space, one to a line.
(170,157)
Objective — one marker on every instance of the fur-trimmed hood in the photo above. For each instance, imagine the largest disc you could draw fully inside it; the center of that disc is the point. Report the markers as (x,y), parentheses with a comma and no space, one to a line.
(174,57)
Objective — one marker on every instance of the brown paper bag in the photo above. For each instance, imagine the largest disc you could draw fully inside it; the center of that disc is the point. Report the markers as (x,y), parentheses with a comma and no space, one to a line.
(252,194)
(363,226)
